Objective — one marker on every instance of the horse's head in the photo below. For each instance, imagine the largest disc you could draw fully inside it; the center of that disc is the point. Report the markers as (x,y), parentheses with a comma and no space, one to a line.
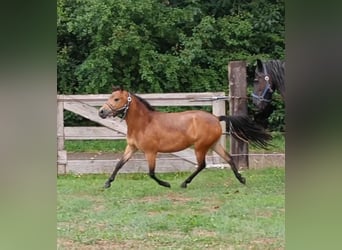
(262,89)
(117,103)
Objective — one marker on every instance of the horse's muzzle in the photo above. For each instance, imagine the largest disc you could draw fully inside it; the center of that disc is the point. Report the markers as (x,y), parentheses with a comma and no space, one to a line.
(256,101)
(259,105)
(103,113)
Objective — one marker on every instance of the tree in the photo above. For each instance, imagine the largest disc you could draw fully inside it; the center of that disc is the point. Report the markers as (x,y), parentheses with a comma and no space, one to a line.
(162,46)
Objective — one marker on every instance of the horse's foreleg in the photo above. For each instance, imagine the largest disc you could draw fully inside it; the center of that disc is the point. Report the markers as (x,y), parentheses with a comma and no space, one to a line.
(126,156)
(201,165)
(151,159)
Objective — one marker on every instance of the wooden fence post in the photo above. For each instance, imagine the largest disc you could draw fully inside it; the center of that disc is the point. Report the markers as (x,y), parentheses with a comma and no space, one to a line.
(61,153)
(219,108)
(238,106)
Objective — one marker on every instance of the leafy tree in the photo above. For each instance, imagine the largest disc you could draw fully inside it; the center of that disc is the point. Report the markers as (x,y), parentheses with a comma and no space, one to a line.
(162,46)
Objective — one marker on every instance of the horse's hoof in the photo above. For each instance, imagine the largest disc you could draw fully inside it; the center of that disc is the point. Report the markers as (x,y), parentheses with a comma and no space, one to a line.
(183,185)
(242,180)
(166,184)
(107,184)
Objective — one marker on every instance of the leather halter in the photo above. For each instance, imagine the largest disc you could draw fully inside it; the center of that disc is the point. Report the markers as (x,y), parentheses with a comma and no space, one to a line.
(261,97)
(123,109)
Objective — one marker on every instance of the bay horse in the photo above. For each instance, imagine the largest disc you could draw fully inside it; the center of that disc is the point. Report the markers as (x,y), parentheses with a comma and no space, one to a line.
(269,76)
(151,132)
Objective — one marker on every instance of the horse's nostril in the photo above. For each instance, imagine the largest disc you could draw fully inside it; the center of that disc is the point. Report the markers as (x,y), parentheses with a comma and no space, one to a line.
(102,113)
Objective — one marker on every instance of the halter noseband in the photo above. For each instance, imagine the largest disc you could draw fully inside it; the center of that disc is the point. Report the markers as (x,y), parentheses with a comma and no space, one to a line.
(261,97)
(124,108)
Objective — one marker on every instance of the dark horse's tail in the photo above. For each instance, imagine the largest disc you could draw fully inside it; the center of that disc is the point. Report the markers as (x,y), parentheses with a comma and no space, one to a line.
(244,129)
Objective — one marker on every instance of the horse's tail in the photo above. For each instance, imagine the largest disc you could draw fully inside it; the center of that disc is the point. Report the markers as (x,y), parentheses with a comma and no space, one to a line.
(244,129)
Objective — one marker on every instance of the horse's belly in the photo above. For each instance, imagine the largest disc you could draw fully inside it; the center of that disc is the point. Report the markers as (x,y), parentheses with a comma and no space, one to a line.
(173,146)
(168,143)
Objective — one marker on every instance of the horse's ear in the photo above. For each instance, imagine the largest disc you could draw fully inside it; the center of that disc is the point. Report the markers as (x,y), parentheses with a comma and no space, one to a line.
(116,88)
(260,66)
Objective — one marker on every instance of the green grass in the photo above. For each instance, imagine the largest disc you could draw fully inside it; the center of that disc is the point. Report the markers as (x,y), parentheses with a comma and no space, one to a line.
(278,145)
(95,145)
(214,212)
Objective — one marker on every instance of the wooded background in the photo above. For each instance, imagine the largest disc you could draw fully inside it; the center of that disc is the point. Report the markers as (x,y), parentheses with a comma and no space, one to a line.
(151,46)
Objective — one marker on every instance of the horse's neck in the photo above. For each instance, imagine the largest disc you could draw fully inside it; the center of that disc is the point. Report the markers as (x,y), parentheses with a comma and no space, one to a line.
(281,90)
(138,114)
(278,81)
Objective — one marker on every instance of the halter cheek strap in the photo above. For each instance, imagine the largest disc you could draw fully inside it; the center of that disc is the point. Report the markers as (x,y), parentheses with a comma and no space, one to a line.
(261,97)
(126,107)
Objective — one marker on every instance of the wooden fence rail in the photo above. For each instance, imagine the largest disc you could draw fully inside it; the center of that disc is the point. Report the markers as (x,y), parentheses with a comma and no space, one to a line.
(114,129)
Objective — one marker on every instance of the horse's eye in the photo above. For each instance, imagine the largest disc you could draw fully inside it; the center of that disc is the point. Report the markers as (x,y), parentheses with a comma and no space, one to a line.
(116,99)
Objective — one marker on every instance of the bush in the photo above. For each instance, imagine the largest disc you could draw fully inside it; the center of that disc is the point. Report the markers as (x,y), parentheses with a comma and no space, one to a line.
(152,46)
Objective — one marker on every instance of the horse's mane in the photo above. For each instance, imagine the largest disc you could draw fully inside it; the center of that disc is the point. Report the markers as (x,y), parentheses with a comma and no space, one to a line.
(143,101)
(276,69)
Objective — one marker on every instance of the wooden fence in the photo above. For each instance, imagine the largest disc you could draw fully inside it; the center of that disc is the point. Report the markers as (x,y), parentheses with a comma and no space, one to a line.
(114,129)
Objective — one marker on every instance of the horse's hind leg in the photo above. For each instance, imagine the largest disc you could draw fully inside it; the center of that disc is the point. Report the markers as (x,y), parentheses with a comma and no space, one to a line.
(151,159)
(200,155)
(225,155)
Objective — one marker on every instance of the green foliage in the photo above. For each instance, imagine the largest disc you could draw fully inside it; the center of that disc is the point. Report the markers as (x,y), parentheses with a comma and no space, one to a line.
(277,118)
(162,46)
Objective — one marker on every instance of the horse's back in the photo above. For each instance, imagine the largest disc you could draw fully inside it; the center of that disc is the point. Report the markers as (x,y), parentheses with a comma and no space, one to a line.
(187,119)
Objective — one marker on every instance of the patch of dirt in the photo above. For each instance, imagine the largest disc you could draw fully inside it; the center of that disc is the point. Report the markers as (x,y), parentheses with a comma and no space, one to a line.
(263,213)
(99,208)
(203,233)
(173,197)
(63,244)
(264,243)
(177,198)
(169,234)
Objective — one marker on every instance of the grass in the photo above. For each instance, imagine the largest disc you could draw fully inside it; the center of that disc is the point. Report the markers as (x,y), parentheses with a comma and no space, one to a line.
(214,212)
(278,145)
(95,145)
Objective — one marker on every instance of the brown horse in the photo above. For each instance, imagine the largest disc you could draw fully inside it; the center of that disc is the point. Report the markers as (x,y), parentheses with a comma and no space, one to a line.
(151,132)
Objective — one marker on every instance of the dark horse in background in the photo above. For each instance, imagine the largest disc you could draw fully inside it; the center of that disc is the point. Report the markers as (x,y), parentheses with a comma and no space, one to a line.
(151,131)
(269,77)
